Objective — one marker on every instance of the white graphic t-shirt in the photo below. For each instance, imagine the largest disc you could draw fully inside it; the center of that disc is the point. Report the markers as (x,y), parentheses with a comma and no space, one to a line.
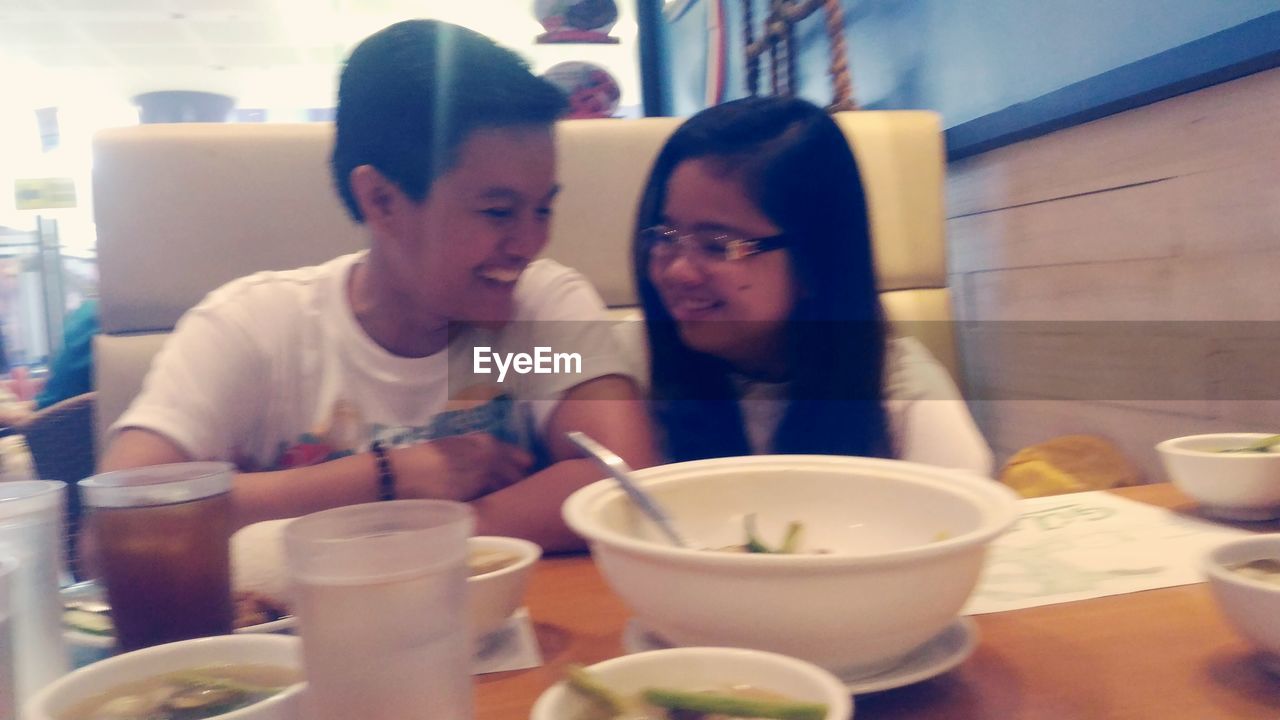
(273,371)
(929,419)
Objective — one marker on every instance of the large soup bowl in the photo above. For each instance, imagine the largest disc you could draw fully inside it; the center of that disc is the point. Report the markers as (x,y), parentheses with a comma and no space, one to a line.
(900,547)
(71,691)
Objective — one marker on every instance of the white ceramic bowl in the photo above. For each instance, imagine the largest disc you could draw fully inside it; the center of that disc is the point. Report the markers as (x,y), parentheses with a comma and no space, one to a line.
(701,668)
(493,596)
(1252,606)
(69,691)
(906,545)
(1236,486)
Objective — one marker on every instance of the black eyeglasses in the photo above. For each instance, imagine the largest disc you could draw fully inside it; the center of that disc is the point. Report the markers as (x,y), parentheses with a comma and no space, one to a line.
(707,249)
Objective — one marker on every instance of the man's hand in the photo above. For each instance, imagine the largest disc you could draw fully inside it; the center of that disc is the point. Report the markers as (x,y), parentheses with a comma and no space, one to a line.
(462,467)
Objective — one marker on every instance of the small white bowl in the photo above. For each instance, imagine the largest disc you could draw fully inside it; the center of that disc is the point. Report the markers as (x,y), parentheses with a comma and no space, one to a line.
(493,596)
(1252,606)
(56,699)
(1232,486)
(702,668)
(905,546)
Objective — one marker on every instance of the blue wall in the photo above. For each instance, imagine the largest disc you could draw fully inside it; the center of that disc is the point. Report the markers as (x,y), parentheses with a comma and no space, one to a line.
(972,59)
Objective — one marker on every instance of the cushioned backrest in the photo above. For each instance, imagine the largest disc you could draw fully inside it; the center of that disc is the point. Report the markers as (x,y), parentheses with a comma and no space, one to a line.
(120,363)
(900,156)
(603,169)
(184,208)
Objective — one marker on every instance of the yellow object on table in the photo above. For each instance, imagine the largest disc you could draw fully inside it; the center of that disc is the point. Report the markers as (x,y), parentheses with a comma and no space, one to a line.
(1067,464)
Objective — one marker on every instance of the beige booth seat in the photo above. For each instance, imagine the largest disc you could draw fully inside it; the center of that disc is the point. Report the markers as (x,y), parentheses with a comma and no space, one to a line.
(182,209)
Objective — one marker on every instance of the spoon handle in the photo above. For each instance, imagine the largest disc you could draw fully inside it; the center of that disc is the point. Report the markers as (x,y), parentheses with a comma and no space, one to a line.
(618,468)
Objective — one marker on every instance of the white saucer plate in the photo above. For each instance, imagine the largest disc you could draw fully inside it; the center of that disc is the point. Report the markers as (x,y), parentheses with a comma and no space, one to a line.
(86,648)
(944,652)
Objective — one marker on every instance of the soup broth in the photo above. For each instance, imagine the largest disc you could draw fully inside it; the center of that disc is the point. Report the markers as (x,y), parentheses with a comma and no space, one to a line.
(194,694)
(481,562)
(1267,570)
(723,703)
(637,708)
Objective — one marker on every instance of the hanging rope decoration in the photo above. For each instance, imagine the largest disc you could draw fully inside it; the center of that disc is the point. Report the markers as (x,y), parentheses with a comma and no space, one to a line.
(778,40)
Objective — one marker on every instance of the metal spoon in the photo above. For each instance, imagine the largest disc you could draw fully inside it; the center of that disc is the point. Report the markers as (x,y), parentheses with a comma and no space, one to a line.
(618,468)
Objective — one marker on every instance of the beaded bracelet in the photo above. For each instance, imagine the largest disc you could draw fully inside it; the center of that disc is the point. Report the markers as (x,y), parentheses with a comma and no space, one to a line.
(386,479)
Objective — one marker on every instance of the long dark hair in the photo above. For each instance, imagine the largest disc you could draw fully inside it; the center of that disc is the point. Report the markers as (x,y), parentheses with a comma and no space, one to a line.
(796,164)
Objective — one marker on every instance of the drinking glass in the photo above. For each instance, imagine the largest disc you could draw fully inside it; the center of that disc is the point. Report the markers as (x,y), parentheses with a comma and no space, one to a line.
(31,532)
(162,538)
(8,688)
(380,595)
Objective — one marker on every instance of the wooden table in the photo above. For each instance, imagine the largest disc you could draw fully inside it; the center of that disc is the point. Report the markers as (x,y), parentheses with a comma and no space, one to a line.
(1158,654)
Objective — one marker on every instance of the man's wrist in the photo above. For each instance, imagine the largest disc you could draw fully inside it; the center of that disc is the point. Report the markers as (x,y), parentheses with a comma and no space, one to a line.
(386,477)
(421,471)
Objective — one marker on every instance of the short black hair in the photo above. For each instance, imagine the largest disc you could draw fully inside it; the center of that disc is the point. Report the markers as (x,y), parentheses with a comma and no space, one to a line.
(412,93)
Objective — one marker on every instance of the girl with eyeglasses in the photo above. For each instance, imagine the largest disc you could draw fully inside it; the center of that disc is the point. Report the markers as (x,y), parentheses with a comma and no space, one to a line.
(754,266)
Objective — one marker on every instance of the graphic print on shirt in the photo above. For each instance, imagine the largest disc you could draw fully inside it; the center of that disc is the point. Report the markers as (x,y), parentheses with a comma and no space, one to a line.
(344,432)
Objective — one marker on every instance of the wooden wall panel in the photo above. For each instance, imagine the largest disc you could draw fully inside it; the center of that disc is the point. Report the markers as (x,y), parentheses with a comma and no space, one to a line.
(1215,128)
(1119,290)
(1165,221)
(1101,226)
(1236,210)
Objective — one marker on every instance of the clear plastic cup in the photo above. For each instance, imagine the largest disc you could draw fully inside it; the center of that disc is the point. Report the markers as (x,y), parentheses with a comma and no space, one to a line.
(162,541)
(8,689)
(31,522)
(380,595)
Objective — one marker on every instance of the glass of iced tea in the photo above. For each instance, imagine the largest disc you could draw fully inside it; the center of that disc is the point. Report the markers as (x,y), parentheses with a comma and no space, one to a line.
(161,539)
(380,595)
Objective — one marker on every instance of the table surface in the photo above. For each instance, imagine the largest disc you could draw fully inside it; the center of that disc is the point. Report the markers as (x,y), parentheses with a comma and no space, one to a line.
(1164,653)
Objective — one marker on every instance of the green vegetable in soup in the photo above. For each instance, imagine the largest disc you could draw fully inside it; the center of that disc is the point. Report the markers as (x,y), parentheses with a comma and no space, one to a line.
(753,544)
(733,705)
(589,687)
(205,700)
(188,695)
(198,678)
(790,541)
(1258,446)
(666,704)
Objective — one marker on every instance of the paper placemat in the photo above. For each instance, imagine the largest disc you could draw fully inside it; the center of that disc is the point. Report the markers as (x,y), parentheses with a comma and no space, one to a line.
(1088,545)
(513,647)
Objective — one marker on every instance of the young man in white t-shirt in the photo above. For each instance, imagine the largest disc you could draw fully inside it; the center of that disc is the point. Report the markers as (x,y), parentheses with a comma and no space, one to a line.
(355,379)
